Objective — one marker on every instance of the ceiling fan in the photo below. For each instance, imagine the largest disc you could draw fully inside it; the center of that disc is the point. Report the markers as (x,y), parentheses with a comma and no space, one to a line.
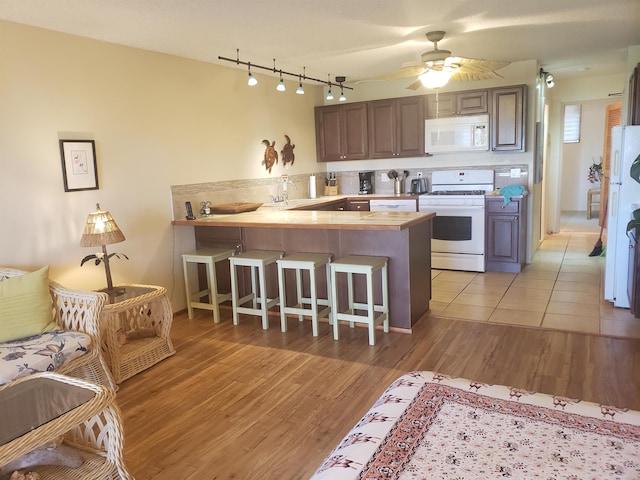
(438,66)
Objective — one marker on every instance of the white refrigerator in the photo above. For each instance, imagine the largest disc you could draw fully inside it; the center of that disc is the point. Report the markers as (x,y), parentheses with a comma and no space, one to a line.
(623,192)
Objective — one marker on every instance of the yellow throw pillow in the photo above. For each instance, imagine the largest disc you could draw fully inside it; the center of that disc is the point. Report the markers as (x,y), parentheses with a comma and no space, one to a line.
(26,306)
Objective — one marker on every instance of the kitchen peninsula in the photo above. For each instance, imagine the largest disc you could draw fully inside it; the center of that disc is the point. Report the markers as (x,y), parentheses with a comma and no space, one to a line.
(403,237)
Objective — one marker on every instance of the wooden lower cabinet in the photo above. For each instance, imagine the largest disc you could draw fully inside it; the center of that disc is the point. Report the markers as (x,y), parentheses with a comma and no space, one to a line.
(505,239)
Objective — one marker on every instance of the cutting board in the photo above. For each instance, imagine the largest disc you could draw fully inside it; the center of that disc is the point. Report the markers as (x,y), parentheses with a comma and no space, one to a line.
(237,207)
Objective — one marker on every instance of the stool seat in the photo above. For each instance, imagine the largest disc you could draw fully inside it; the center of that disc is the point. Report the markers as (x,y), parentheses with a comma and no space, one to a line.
(257,261)
(590,201)
(362,265)
(209,257)
(305,306)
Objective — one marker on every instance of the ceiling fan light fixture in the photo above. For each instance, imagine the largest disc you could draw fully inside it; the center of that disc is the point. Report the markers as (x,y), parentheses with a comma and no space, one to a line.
(435,78)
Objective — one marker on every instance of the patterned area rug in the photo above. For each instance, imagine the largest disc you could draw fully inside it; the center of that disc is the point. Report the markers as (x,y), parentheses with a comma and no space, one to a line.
(429,426)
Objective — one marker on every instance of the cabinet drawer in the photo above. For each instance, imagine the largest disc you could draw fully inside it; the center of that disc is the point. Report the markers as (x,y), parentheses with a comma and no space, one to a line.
(498,206)
(358,205)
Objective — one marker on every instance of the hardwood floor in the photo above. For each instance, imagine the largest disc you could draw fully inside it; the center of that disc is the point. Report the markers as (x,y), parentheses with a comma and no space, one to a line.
(244,403)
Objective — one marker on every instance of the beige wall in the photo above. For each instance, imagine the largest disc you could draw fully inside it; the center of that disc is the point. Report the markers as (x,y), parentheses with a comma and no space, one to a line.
(157,120)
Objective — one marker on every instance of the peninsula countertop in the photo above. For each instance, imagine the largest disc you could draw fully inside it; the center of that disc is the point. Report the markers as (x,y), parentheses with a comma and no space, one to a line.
(328,220)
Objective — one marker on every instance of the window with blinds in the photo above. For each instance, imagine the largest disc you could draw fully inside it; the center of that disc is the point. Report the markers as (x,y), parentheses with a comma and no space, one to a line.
(572,123)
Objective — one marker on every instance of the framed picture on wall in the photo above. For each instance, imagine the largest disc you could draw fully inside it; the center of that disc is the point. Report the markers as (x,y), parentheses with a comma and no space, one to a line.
(79,169)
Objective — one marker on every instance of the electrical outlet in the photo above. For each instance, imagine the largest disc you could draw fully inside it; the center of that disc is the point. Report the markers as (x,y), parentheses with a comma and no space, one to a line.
(384,177)
(419,174)
(515,173)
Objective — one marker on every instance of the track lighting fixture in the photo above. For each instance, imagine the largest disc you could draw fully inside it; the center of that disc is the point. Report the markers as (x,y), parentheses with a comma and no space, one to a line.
(548,78)
(281,87)
(300,90)
(251,81)
(341,79)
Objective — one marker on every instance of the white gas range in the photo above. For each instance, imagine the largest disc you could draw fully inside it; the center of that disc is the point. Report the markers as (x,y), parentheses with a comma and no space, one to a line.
(457,197)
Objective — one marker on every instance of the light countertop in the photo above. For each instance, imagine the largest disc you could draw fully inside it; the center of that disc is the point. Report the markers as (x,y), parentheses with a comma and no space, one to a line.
(340,220)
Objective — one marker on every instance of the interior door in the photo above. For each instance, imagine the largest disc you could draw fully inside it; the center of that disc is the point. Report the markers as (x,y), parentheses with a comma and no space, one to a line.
(613,117)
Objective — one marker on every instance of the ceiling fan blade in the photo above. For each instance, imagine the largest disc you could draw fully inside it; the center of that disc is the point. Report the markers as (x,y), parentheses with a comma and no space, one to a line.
(416,84)
(412,69)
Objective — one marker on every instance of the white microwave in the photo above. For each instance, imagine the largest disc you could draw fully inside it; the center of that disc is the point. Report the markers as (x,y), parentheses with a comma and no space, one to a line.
(457,134)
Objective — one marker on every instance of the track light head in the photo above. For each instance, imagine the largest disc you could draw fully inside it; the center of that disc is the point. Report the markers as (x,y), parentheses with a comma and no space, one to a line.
(548,78)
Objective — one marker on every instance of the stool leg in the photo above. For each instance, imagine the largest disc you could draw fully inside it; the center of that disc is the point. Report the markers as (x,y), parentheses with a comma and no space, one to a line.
(187,289)
(254,284)
(385,298)
(283,298)
(299,292)
(234,293)
(314,302)
(371,314)
(263,298)
(213,290)
(329,299)
(334,303)
(350,292)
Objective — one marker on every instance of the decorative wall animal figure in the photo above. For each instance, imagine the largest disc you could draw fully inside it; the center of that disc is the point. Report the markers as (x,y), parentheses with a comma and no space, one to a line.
(270,155)
(287,152)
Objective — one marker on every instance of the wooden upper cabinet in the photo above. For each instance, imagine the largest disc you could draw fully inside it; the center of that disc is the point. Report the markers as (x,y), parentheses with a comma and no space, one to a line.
(507,118)
(473,102)
(341,132)
(396,127)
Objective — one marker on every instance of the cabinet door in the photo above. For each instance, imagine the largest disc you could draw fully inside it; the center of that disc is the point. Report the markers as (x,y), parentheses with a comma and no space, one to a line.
(328,137)
(502,235)
(441,105)
(341,132)
(472,103)
(355,143)
(382,129)
(507,119)
(410,127)
(396,127)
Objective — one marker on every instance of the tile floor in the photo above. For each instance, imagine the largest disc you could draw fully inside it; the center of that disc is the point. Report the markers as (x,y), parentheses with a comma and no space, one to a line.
(561,289)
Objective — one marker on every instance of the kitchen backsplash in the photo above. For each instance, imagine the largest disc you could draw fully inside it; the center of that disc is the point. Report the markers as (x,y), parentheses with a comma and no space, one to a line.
(260,190)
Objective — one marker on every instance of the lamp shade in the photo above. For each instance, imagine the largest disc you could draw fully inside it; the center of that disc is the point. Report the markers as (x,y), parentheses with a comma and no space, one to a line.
(100,229)
(435,78)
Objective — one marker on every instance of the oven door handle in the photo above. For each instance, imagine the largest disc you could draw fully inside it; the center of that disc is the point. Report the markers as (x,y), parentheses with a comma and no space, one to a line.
(464,208)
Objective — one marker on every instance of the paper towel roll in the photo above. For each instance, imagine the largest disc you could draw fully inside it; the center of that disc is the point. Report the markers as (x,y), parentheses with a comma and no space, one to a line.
(312,186)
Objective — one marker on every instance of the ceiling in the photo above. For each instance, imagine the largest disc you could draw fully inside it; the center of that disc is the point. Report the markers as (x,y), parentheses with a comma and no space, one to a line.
(354,38)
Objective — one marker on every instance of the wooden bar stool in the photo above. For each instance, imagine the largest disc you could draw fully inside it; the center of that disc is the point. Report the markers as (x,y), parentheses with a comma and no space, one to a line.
(257,261)
(362,265)
(208,257)
(590,201)
(300,262)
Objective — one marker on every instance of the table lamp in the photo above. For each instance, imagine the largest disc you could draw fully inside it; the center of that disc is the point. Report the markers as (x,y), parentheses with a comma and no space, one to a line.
(101,230)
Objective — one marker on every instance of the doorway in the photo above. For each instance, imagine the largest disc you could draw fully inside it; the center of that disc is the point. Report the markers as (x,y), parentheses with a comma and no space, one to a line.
(591,147)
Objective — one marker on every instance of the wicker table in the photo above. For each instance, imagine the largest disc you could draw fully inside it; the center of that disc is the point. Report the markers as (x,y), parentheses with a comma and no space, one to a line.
(39,408)
(142,312)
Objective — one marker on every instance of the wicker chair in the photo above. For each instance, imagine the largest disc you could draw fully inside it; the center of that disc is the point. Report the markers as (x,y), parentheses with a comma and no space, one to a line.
(77,311)
(93,429)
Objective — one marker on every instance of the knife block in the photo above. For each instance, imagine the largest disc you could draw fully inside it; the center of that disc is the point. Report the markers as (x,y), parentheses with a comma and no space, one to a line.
(331,190)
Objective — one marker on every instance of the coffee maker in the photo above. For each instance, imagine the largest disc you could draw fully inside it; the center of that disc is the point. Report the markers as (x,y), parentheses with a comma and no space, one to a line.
(366,182)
